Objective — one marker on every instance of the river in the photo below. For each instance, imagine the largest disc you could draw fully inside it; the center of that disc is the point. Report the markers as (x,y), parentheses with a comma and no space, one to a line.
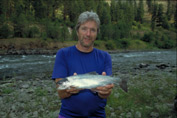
(124,62)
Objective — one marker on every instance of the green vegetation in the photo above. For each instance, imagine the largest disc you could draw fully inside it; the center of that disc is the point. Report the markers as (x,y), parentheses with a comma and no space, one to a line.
(148,96)
(7,91)
(150,93)
(123,23)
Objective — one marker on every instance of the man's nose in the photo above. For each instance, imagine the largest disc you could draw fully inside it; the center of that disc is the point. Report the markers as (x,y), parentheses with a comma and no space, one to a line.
(88,33)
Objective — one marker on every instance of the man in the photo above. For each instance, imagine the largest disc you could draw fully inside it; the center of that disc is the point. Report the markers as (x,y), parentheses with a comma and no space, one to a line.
(79,59)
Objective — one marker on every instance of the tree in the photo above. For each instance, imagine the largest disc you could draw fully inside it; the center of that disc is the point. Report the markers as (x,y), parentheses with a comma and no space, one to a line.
(64,33)
(105,17)
(175,17)
(150,6)
(154,17)
(40,11)
(140,12)
(5,31)
(20,25)
(128,14)
(90,5)
(165,23)
(76,8)
(160,16)
(135,9)
(107,32)
(113,11)
(169,10)
(100,8)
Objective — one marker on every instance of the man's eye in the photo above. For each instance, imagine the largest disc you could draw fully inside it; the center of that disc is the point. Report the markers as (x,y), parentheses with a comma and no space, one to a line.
(93,30)
(84,28)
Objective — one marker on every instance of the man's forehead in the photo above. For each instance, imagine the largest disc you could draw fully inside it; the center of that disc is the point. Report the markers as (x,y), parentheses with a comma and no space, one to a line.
(87,23)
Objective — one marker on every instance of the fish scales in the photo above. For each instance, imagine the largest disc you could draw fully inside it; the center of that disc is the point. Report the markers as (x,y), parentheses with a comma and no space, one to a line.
(86,81)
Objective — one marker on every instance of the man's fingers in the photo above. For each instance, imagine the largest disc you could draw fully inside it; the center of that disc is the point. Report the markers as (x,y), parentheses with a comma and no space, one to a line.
(103,73)
(73,90)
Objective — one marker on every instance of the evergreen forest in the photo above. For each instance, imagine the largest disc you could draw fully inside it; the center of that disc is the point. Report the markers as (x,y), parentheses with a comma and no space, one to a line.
(124,23)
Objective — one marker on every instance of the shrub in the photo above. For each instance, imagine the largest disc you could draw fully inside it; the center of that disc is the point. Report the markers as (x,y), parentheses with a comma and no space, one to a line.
(33,32)
(165,43)
(110,45)
(5,31)
(53,32)
(123,43)
(20,26)
(148,37)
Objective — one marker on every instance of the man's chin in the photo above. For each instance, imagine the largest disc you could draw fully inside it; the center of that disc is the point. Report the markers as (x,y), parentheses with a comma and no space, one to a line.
(87,44)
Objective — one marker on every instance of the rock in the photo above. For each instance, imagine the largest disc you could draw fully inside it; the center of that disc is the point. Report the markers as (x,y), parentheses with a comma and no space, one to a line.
(162,66)
(25,115)
(25,86)
(54,114)
(116,95)
(138,114)
(143,65)
(123,85)
(35,114)
(12,115)
(113,115)
(175,106)
(154,114)
(30,91)
(13,108)
(129,115)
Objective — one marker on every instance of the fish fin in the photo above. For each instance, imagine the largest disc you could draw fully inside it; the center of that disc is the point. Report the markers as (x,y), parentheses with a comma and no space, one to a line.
(62,80)
(93,73)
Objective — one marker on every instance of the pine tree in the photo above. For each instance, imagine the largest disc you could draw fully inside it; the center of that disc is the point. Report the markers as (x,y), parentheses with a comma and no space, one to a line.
(160,15)
(140,12)
(100,9)
(154,17)
(175,17)
(113,10)
(105,17)
(66,9)
(150,6)
(40,11)
(90,5)
(168,13)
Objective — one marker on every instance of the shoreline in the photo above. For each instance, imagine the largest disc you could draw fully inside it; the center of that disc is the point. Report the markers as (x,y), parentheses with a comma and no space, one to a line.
(54,51)
(34,46)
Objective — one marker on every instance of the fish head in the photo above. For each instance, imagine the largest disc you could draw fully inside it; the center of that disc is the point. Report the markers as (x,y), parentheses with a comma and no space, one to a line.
(62,84)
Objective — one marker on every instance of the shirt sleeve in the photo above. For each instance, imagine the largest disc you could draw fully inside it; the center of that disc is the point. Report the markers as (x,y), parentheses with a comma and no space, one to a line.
(60,66)
(108,64)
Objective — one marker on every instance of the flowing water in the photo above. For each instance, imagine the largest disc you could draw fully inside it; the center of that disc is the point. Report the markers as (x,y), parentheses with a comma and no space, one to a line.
(28,65)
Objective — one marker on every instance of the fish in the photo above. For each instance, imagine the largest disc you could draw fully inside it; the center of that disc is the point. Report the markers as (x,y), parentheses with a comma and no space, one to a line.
(87,81)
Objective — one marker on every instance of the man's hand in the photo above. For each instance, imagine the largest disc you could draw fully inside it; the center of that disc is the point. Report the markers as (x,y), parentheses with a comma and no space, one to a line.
(68,92)
(104,91)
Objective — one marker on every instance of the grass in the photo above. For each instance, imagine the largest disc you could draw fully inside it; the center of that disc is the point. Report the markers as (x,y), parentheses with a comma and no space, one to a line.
(148,96)
(7,90)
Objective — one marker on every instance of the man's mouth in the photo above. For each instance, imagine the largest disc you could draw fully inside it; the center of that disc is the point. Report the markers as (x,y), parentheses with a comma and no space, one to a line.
(87,39)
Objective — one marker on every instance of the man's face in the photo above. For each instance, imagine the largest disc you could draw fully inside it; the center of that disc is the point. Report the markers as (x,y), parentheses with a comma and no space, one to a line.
(87,33)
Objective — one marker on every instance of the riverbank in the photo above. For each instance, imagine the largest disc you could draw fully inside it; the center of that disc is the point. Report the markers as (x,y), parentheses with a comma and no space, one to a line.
(31,46)
(28,91)
(150,94)
(35,46)
(24,98)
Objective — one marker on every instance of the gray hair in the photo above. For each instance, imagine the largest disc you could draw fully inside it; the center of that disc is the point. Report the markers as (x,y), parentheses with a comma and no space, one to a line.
(86,16)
